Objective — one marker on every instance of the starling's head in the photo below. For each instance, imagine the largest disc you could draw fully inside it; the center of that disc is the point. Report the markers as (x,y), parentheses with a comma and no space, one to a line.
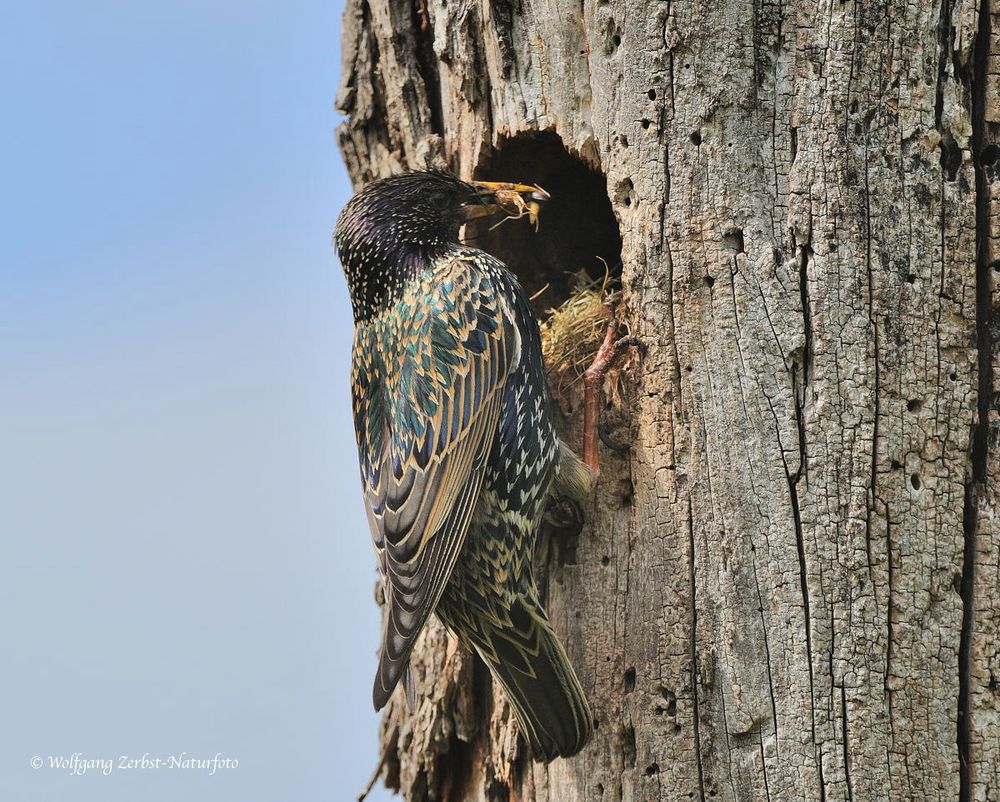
(394,227)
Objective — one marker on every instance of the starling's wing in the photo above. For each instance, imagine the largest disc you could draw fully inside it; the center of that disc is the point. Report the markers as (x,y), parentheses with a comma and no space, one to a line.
(427,383)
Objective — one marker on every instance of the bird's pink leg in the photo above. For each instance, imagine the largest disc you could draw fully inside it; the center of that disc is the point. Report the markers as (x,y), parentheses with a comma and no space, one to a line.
(593,381)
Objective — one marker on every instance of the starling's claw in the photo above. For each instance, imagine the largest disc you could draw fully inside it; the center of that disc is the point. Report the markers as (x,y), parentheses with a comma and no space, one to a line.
(564,516)
(615,445)
(631,341)
(612,299)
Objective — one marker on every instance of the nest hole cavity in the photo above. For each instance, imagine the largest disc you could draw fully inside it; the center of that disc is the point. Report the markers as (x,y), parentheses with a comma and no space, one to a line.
(577,228)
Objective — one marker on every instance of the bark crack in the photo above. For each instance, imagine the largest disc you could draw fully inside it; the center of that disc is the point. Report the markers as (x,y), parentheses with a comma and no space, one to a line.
(844,732)
(807,356)
(944,33)
(800,546)
(502,17)
(427,63)
(770,688)
(793,492)
(872,507)
(694,654)
(977,82)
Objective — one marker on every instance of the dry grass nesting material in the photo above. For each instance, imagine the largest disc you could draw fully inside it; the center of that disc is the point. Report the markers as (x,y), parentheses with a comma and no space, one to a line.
(573,333)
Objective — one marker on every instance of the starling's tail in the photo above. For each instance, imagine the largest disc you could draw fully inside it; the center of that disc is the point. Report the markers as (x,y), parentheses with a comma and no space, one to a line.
(531,665)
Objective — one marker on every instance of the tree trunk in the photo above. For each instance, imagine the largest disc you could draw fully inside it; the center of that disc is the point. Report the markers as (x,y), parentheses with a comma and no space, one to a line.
(789,587)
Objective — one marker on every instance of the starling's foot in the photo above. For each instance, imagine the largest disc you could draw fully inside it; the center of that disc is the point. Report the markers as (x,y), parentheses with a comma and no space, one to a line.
(564,517)
(593,379)
(615,445)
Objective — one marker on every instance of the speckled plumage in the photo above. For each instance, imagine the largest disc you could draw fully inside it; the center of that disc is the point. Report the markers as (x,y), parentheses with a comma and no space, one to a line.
(457,449)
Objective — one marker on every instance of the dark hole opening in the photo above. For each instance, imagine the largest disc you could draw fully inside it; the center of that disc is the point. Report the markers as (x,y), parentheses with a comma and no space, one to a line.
(733,240)
(629,680)
(951,157)
(577,227)
(671,698)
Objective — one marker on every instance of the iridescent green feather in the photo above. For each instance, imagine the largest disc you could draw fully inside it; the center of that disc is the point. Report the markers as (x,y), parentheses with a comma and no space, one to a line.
(426,406)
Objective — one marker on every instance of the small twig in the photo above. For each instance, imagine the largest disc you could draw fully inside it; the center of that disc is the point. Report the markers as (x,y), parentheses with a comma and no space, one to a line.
(373,780)
(543,289)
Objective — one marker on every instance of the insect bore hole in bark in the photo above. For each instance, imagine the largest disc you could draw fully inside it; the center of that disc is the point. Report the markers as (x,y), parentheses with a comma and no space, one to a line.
(577,228)
(629,682)
(990,158)
(951,157)
(628,746)
(733,240)
(671,702)
(625,192)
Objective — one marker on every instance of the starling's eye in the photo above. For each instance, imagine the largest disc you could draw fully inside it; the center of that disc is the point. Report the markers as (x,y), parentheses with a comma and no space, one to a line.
(439,199)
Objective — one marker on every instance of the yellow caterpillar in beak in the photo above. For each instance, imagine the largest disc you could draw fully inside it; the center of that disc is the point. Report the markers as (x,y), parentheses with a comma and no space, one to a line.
(515,205)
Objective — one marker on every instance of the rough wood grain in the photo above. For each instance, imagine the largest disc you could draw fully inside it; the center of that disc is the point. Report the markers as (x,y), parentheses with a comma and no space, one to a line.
(790,588)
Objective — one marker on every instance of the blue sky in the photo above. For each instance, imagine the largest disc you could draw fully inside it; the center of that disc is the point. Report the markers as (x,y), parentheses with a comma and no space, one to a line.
(184,562)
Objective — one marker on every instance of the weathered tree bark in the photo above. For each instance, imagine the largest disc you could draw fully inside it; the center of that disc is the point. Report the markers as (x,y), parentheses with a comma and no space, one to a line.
(789,588)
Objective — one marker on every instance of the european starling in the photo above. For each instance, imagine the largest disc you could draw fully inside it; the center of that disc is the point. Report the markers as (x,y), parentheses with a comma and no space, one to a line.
(457,448)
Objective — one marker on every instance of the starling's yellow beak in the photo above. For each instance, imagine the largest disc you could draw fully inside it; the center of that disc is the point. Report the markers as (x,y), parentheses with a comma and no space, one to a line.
(514,200)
